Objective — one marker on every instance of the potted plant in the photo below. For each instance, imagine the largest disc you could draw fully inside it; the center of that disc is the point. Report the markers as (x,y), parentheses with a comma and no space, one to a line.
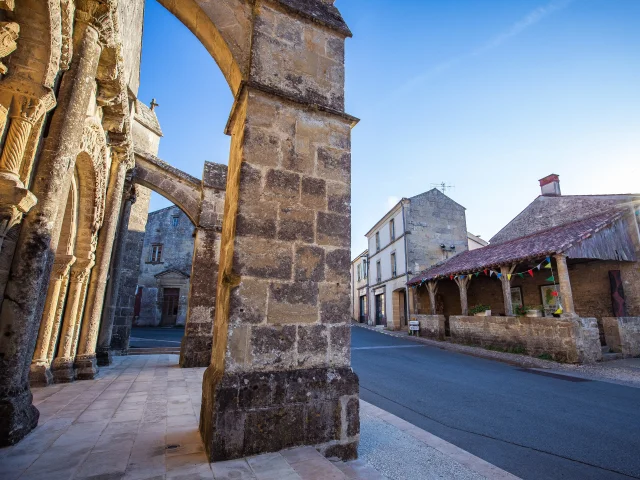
(534,311)
(480,310)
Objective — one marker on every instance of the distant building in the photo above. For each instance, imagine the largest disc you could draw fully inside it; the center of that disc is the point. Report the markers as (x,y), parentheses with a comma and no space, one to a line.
(359,287)
(416,233)
(165,267)
(475,241)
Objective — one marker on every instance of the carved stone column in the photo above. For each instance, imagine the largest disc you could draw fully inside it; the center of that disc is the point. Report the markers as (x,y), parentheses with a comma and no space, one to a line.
(432,287)
(63,366)
(86,362)
(463,286)
(40,374)
(566,294)
(38,239)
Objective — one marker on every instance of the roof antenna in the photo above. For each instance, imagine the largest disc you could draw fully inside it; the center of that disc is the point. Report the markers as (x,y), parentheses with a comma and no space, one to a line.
(442,186)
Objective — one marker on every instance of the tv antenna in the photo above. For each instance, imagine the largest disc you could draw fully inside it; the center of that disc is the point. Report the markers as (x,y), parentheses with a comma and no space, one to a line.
(443,187)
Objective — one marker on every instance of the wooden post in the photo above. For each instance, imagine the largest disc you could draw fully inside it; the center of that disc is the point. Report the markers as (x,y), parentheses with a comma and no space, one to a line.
(432,286)
(463,285)
(566,295)
(506,272)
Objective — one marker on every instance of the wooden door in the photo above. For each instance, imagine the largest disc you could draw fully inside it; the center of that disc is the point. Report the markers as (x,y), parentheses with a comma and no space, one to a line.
(170,305)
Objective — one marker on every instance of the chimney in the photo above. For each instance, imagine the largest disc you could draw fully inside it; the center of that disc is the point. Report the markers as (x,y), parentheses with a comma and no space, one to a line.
(550,185)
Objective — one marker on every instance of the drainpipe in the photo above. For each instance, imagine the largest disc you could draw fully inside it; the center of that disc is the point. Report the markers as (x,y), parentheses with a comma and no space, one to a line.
(406,265)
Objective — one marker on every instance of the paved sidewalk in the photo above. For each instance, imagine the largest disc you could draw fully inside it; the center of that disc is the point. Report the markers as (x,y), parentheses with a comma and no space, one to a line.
(621,372)
(139,420)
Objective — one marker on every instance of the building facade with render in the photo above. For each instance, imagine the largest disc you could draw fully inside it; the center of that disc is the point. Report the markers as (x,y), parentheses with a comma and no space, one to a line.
(359,287)
(165,269)
(416,233)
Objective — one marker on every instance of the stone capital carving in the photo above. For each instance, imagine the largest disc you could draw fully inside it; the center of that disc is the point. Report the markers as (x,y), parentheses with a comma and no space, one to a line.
(9,32)
(67,13)
(100,15)
(80,271)
(7,5)
(28,100)
(61,266)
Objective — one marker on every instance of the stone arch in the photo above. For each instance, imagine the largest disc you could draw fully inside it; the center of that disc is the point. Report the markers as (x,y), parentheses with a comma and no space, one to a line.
(175,185)
(224,28)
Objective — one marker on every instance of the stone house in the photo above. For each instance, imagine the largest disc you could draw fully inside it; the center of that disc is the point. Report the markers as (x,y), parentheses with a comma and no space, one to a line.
(165,269)
(416,233)
(562,278)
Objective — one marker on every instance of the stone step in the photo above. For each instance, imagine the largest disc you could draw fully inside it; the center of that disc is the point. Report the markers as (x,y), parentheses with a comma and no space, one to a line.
(606,357)
(155,351)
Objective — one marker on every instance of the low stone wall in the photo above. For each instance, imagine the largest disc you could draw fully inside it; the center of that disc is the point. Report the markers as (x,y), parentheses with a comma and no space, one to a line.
(431,326)
(623,335)
(565,340)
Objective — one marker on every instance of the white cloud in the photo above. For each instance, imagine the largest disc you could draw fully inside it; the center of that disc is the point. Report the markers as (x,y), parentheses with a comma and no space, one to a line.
(530,19)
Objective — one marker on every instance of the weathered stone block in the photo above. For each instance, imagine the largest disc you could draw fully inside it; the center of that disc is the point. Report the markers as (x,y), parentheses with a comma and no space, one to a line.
(247,413)
(333,300)
(337,265)
(333,229)
(309,263)
(334,164)
(248,302)
(273,346)
(293,303)
(314,193)
(296,224)
(263,258)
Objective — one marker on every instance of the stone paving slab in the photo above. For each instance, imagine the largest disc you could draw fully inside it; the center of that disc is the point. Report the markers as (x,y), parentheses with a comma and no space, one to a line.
(138,420)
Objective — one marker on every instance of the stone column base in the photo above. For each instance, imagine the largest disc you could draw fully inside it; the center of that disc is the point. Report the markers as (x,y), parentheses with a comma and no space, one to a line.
(195,351)
(18,416)
(40,375)
(87,367)
(252,413)
(63,370)
(104,357)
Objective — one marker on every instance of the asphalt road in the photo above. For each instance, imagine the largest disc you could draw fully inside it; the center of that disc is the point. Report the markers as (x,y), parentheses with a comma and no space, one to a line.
(150,337)
(532,425)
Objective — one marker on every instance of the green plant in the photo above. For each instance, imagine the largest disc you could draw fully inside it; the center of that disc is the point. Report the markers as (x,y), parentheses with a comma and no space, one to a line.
(521,310)
(479,309)
(519,349)
(545,356)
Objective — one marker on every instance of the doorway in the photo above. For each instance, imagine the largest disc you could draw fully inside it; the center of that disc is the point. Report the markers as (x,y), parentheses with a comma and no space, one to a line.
(170,306)
(380,311)
(363,309)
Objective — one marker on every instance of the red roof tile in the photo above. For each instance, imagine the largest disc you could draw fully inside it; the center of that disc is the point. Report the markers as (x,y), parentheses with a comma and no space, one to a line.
(534,246)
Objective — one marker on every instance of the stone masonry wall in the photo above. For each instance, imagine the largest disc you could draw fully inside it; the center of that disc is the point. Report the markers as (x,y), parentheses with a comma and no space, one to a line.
(432,219)
(431,326)
(566,340)
(177,254)
(129,268)
(623,335)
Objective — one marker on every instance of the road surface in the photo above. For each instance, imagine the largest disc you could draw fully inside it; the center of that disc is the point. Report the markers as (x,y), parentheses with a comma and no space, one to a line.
(534,426)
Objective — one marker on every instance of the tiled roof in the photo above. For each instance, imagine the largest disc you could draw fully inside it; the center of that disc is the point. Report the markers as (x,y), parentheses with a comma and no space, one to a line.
(547,212)
(535,246)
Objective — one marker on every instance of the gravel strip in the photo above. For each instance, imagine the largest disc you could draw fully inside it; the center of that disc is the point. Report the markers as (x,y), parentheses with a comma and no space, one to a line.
(399,456)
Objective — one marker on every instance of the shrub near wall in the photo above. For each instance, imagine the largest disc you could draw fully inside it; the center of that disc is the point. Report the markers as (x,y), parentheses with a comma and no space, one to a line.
(565,340)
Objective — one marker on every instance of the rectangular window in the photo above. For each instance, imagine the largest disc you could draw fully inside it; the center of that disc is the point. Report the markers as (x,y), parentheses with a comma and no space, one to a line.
(393,264)
(155,255)
(359,272)
(377,241)
(365,268)
(175,221)
(378,271)
(392,229)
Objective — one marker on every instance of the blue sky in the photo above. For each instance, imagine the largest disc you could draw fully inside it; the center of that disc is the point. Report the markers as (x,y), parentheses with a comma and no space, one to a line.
(487,96)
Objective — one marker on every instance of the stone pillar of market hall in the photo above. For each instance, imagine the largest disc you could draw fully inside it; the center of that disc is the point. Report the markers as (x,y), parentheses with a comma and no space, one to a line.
(280,373)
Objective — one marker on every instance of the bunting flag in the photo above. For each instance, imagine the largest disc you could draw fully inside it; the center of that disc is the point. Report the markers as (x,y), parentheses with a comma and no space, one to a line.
(551,279)
(509,277)
(549,260)
(558,311)
(530,272)
(538,266)
(548,265)
(477,273)
(521,275)
(450,277)
(485,271)
(499,275)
